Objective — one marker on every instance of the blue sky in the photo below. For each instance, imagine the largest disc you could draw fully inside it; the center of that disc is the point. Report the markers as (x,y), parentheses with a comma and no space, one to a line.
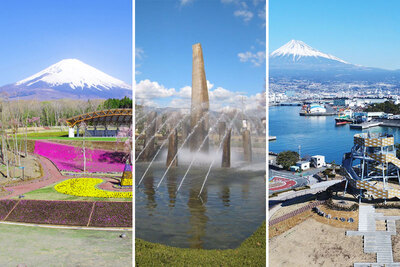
(37,34)
(365,32)
(232,35)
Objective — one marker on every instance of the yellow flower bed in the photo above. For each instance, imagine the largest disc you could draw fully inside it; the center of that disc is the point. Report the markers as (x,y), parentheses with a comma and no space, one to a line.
(126,182)
(126,178)
(86,187)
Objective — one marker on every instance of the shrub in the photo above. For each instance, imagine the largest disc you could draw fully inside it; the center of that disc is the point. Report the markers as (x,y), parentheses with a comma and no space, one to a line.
(333,206)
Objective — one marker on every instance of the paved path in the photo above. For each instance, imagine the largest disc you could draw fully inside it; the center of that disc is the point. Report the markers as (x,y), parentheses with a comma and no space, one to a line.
(378,242)
(50,175)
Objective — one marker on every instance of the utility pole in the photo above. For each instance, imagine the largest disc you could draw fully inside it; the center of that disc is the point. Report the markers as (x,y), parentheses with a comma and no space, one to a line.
(299,152)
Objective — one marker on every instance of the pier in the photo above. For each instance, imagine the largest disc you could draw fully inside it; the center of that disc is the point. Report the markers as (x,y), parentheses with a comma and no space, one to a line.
(301,113)
(377,122)
(366,125)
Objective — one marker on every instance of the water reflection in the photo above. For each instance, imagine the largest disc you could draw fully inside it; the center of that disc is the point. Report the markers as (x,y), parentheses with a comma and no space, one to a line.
(227,212)
(245,189)
(172,186)
(225,195)
(150,192)
(198,218)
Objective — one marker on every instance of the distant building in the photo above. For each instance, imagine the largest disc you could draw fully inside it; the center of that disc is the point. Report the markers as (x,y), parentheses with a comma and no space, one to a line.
(316,108)
(341,102)
(290,93)
(318,161)
(272,159)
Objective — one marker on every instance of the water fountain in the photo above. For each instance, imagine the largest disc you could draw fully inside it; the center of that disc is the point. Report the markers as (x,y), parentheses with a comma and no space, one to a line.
(190,165)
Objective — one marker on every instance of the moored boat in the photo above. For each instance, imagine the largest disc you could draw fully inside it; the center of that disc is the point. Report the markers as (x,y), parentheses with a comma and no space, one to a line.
(346,116)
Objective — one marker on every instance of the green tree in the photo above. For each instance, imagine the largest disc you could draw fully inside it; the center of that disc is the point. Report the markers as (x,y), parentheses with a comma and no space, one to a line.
(112,103)
(287,158)
(387,107)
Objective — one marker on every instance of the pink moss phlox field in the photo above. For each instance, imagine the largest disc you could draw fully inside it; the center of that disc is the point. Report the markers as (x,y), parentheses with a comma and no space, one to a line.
(112,214)
(70,158)
(6,206)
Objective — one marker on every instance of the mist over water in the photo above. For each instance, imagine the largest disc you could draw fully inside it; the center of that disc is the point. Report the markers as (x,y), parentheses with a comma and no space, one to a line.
(199,204)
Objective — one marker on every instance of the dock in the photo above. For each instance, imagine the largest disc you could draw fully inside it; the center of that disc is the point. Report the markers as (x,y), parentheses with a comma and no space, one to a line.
(290,104)
(366,125)
(302,113)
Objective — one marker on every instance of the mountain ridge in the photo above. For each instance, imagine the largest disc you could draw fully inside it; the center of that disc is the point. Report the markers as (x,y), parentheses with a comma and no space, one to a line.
(297,60)
(68,78)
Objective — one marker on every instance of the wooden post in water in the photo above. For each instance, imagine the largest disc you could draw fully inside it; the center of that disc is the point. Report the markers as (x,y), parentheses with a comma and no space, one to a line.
(226,150)
(247,145)
(221,130)
(150,132)
(172,149)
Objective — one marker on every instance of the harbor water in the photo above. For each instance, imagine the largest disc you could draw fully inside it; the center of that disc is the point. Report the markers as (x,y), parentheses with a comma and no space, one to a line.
(315,135)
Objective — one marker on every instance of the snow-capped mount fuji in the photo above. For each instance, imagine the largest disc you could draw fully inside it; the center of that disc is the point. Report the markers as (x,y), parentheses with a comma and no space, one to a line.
(69,78)
(298,60)
(297,49)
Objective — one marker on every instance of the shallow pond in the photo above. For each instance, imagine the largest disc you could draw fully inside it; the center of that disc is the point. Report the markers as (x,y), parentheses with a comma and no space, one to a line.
(230,208)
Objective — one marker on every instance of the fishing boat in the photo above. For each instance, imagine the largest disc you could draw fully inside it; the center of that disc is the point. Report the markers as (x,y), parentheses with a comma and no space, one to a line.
(346,116)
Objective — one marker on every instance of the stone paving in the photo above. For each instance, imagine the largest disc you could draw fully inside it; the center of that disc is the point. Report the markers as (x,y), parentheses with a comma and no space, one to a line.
(375,241)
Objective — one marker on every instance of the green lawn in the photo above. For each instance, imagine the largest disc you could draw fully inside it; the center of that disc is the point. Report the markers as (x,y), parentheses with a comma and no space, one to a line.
(36,246)
(252,252)
(49,193)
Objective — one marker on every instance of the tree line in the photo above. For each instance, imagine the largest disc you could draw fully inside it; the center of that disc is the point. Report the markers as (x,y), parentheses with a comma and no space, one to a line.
(387,107)
(54,112)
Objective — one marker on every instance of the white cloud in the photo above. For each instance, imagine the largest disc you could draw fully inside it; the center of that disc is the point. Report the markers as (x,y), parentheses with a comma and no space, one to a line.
(209,85)
(185,2)
(147,89)
(139,52)
(257,59)
(221,94)
(147,103)
(185,92)
(245,14)
(179,103)
(262,15)
(150,94)
(258,41)
(247,9)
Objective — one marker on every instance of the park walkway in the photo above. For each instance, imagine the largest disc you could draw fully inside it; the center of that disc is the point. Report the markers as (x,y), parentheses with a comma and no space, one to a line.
(61,214)
(376,241)
(50,175)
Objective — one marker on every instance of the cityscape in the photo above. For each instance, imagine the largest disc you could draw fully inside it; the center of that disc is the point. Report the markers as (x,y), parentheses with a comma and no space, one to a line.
(334,137)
